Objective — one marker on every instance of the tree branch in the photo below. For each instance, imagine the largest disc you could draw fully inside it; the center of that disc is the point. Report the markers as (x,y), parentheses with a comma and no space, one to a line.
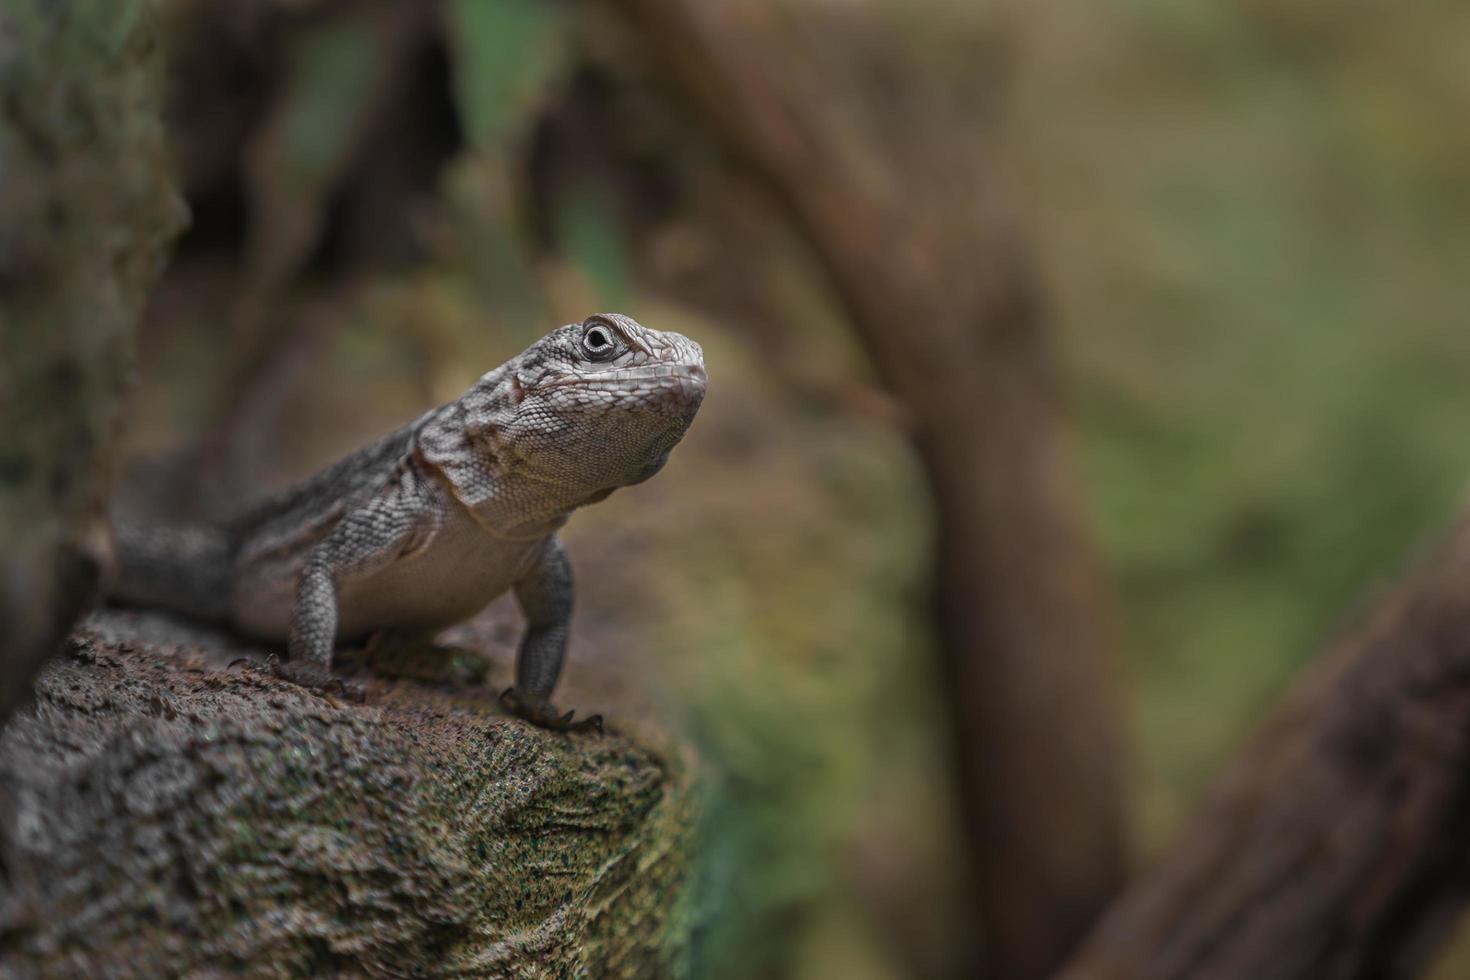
(1338,843)
(87,210)
(876,162)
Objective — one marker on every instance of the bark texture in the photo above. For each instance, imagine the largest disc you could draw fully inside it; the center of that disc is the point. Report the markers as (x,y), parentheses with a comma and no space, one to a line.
(173,818)
(87,209)
(1338,845)
(879,164)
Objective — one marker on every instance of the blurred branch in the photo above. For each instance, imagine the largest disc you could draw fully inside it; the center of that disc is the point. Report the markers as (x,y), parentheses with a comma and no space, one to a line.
(341,81)
(87,209)
(311,140)
(874,159)
(1338,843)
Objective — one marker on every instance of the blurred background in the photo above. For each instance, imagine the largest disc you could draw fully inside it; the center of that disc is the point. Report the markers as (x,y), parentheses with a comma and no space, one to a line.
(1239,230)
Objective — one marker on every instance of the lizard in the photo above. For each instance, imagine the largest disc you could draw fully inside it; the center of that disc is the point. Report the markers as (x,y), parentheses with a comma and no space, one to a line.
(424,527)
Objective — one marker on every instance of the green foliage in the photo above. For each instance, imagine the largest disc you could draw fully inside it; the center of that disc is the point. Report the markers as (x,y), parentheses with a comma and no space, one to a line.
(588,227)
(333,81)
(1268,349)
(505,53)
(332,71)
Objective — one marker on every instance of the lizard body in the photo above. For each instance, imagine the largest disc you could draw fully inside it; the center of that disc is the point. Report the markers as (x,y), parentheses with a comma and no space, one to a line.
(426,526)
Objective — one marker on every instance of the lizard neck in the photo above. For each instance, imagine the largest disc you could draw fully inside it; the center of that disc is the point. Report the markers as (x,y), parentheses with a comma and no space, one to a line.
(504,494)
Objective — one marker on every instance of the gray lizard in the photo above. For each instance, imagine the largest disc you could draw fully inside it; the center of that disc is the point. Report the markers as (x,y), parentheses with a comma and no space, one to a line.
(423,528)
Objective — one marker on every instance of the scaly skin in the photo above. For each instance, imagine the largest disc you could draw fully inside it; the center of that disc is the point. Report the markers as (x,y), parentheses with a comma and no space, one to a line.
(423,528)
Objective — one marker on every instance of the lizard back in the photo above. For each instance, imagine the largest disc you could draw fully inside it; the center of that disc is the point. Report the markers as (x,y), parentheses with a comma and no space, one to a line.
(190,567)
(307,510)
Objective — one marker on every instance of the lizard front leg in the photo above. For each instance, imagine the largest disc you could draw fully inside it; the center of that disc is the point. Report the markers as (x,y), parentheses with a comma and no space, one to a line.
(388,527)
(313,624)
(545,596)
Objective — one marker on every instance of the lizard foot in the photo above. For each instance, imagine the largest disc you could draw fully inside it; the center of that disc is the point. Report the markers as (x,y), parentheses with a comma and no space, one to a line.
(313,676)
(544,714)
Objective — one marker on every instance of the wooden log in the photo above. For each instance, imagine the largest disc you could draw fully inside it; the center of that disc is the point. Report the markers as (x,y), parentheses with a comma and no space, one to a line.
(1338,843)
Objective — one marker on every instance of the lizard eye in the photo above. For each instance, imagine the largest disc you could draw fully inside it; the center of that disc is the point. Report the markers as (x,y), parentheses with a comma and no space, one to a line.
(598,343)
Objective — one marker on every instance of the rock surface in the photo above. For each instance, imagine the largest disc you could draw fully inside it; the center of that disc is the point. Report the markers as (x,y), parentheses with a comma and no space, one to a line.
(171,816)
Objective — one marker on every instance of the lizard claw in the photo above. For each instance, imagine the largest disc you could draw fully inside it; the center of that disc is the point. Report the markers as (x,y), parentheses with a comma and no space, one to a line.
(544,715)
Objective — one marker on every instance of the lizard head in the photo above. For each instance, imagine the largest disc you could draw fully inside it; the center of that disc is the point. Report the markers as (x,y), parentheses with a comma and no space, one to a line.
(600,404)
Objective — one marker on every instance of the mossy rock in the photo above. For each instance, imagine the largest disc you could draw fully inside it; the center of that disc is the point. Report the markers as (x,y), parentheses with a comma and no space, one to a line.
(171,817)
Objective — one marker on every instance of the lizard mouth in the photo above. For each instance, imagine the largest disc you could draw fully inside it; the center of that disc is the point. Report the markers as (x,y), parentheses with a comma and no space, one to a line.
(678,373)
